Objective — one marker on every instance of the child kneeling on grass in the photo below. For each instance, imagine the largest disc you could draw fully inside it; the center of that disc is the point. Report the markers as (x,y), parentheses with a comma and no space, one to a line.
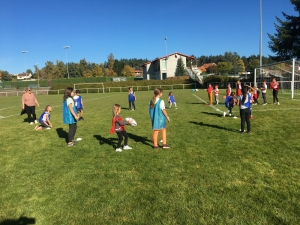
(229,103)
(118,127)
(45,119)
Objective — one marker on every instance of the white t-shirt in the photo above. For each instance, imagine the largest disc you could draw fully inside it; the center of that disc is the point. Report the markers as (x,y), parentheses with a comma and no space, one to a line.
(70,100)
(242,106)
(265,86)
(162,104)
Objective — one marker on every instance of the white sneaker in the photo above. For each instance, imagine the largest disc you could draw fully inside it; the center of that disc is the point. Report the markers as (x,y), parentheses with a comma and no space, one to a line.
(48,128)
(126,147)
(229,114)
(79,139)
(118,150)
(35,121)
(31,123)
(224,114)
(278,103)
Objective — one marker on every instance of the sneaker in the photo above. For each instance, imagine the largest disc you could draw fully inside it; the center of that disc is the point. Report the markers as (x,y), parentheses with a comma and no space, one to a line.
(234,117)
(241,130)
(161,141)
(79,139)
(229,114)
(278,103)
(31,123)
(118,150)
(156,147)
(126,147)
(224,114)
(48,128)
(265,103)
(166,146)
(176,108)
(74,142)
(70,144)
(35,121)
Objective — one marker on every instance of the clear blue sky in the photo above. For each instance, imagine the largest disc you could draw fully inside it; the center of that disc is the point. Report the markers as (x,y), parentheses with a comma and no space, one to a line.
(131,29)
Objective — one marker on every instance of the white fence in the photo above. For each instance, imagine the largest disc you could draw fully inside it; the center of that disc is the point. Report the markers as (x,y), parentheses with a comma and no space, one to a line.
(100,90)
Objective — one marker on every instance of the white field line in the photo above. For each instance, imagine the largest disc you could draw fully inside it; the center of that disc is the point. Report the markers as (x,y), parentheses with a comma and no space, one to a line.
(253,108)
(8,108)
(3,117)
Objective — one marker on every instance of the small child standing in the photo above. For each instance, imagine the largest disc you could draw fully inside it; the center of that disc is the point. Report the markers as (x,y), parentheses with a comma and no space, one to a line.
(45,119)
(171,100)
(131,98)
(229,103)
(118,127)
(209,93)
(69,115)
(78,104)
(216,94)
(158,116)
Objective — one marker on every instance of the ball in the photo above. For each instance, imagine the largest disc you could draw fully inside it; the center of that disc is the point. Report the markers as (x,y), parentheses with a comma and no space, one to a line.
(133,122)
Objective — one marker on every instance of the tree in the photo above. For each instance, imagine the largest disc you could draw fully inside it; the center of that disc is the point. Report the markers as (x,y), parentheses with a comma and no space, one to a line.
(111,61)
(5,76)
(286,42)
(224,67)
(180,69)
(97,71)
(128,71)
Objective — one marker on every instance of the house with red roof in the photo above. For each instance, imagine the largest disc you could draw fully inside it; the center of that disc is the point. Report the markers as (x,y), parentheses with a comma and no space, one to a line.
(164,67)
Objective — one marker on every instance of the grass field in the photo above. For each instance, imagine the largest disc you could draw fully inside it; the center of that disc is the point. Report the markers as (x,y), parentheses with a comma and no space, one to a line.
(210,175)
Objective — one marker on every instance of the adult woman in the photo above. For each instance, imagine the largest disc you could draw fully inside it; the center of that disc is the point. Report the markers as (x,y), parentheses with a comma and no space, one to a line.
(244,101)
(28,105)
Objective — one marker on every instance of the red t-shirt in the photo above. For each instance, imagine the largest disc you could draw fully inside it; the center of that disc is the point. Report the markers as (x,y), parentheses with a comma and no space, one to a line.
(209,90)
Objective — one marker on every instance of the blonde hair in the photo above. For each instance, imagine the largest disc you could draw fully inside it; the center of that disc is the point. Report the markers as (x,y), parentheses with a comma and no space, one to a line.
(157,92)
(46,109)
(115,109)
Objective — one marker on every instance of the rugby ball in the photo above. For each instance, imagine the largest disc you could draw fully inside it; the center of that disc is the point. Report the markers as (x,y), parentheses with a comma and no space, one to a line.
(133,123)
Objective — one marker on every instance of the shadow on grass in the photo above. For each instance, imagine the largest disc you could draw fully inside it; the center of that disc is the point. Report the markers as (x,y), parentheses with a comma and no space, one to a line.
(213,114)
(22,220)
(108,141)
(143,140)
(213,126)
(62,133)
(196,103)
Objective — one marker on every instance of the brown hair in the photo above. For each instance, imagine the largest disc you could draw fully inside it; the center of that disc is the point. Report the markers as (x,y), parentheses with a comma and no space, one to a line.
(115,109)
(157,91)
(68,92)
(46,109)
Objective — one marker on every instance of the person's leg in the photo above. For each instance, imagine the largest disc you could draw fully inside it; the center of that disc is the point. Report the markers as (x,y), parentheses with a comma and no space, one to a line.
(33,113)
(133,104)
(129,104)
(44,125)
(276,96)
(125,135)
(27,110)
(247,117)
(210,99)
(264,97)
(72,130)
(175,104)
(243,118)
(273,96)
(120,136)
(164,136)
(154,137)
(170,105)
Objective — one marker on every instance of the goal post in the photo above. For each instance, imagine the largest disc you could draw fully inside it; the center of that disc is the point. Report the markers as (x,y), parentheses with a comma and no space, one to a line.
(287,74)
(90,87)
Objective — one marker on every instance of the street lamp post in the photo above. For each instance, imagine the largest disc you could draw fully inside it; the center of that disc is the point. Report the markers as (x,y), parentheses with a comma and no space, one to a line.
(67,47)
(25,51)
(166,47)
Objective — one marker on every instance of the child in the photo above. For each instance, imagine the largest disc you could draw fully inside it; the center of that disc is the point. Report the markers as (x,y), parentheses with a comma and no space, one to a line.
(209,93)
(229,103)
(45,119)
(118,127)
(216,94)
(238,88)
(171,100)
(158,115)
(131,98)
(78,104)
(264,89)
(69,115)
(244,104)
(228,90)
(252,98)
(255,95)
(275,86)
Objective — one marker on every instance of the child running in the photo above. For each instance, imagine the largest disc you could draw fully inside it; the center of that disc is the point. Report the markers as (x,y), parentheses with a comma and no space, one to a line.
(216,94)
(78,104)
(229,103)
(118,127)
(171,100)
(209,93)
(158,115)
(69,115)
(45,119)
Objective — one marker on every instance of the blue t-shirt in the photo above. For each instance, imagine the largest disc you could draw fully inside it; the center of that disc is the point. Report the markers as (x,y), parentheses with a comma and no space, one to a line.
(172,99)
(228,101)
(77,101)
(131,96)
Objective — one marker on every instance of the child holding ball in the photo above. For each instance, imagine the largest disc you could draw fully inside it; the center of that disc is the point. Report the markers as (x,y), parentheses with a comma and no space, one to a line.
(118,127)
(159,116)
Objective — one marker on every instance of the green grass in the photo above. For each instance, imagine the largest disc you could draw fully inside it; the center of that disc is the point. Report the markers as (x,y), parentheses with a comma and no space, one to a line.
(211,175)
